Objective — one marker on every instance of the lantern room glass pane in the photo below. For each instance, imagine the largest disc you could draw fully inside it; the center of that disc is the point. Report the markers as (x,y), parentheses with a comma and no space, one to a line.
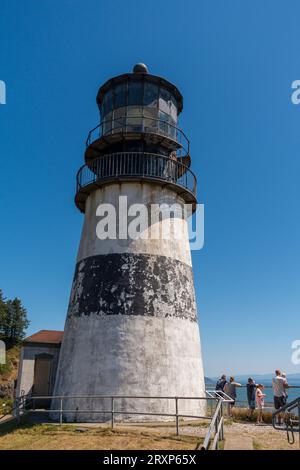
(107,104)
(164,101)
(150,94)
(119,119)
(172,128)
(150,119)
(120,95)
(135,90)
(107,123)
(163,123)
(134,119)
(174,108)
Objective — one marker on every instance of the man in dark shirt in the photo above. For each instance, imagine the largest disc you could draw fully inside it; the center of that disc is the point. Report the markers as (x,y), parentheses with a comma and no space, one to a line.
(251,387)
(221,383)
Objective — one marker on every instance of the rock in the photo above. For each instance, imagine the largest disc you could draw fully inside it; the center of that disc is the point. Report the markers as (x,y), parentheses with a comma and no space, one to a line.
(7,389)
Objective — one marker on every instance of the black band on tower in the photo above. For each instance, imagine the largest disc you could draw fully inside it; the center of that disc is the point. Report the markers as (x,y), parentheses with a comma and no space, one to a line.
(133,284)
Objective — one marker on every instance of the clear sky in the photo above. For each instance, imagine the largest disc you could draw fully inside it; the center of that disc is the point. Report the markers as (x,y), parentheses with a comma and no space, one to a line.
(234,62)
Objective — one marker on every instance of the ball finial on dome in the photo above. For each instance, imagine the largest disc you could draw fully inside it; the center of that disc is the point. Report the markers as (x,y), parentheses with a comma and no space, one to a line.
(140,68)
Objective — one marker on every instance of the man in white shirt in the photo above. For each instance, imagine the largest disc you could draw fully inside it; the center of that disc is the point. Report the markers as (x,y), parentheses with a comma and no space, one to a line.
(279,385)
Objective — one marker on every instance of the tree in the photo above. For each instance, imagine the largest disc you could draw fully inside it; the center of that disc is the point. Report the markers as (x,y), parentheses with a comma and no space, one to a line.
(13,320)
(3,313)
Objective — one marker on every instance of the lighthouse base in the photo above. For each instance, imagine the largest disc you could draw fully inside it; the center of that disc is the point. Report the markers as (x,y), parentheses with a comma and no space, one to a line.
(129,356)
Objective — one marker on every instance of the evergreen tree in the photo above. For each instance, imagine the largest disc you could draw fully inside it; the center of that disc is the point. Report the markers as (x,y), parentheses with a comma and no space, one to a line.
(3,313)
(13,320)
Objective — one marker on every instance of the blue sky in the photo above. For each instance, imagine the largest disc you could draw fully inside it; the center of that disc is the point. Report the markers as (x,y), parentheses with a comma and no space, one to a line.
(234,63)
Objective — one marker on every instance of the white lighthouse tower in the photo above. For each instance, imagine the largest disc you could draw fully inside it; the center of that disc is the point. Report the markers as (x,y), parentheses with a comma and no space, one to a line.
(131,327)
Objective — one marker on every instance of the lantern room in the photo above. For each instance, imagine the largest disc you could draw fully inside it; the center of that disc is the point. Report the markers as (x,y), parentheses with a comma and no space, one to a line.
(138,112)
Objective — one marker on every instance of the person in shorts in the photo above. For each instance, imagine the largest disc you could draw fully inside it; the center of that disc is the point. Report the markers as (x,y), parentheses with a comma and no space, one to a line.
(260,401)
(251,389)
(279,384)
(230,390)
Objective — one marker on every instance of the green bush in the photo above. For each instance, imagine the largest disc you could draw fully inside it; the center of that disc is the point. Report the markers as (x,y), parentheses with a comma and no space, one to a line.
(6,406)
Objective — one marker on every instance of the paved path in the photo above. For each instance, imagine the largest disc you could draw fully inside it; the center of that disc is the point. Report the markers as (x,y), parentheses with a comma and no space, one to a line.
(238,442)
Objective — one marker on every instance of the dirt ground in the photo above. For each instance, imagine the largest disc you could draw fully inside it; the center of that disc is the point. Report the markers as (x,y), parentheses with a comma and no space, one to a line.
(157,436)
(263,437)
(66,437)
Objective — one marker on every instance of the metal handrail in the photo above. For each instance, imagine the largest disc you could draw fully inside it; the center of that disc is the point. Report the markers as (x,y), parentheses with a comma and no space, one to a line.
(219,394)
(215,430)
(125,124)
(136,165)
(290,425)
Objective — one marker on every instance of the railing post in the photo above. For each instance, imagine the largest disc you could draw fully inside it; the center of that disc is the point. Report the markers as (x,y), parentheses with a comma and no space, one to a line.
(61,412)
(216,428)
(177,418)
(18,403)
(112,412)
(22,406)
(222,426)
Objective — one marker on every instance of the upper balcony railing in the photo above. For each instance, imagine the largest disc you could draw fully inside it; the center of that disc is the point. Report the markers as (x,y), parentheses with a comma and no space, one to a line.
(142,125)
(138,166)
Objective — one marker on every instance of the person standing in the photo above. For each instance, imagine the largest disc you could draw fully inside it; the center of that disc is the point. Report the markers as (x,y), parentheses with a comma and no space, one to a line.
(230,390)
(260,401)
(279,384)
(251,388)
(285,390)
(221,383)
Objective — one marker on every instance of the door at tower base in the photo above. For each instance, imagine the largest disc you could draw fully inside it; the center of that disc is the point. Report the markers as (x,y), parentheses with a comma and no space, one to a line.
(131,328)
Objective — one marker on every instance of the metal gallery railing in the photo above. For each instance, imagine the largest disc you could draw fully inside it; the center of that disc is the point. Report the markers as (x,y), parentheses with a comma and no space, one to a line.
(56,407)
(141,125)
(137,165)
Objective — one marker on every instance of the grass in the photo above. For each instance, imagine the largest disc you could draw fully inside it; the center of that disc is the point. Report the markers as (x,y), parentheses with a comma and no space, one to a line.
(67,437)
(257,445)
(240,414)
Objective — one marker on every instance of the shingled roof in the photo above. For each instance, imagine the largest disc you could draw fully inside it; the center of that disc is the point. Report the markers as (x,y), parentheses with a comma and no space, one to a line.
(45,336)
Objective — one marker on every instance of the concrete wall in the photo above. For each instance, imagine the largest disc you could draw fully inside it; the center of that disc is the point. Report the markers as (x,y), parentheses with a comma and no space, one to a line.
(26,366)
(132,327)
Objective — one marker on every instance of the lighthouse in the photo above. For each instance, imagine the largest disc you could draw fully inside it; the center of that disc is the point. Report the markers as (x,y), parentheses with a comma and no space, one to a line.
(132,325)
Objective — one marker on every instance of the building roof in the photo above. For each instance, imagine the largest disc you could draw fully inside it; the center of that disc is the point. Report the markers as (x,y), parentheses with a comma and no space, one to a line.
(45,336)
